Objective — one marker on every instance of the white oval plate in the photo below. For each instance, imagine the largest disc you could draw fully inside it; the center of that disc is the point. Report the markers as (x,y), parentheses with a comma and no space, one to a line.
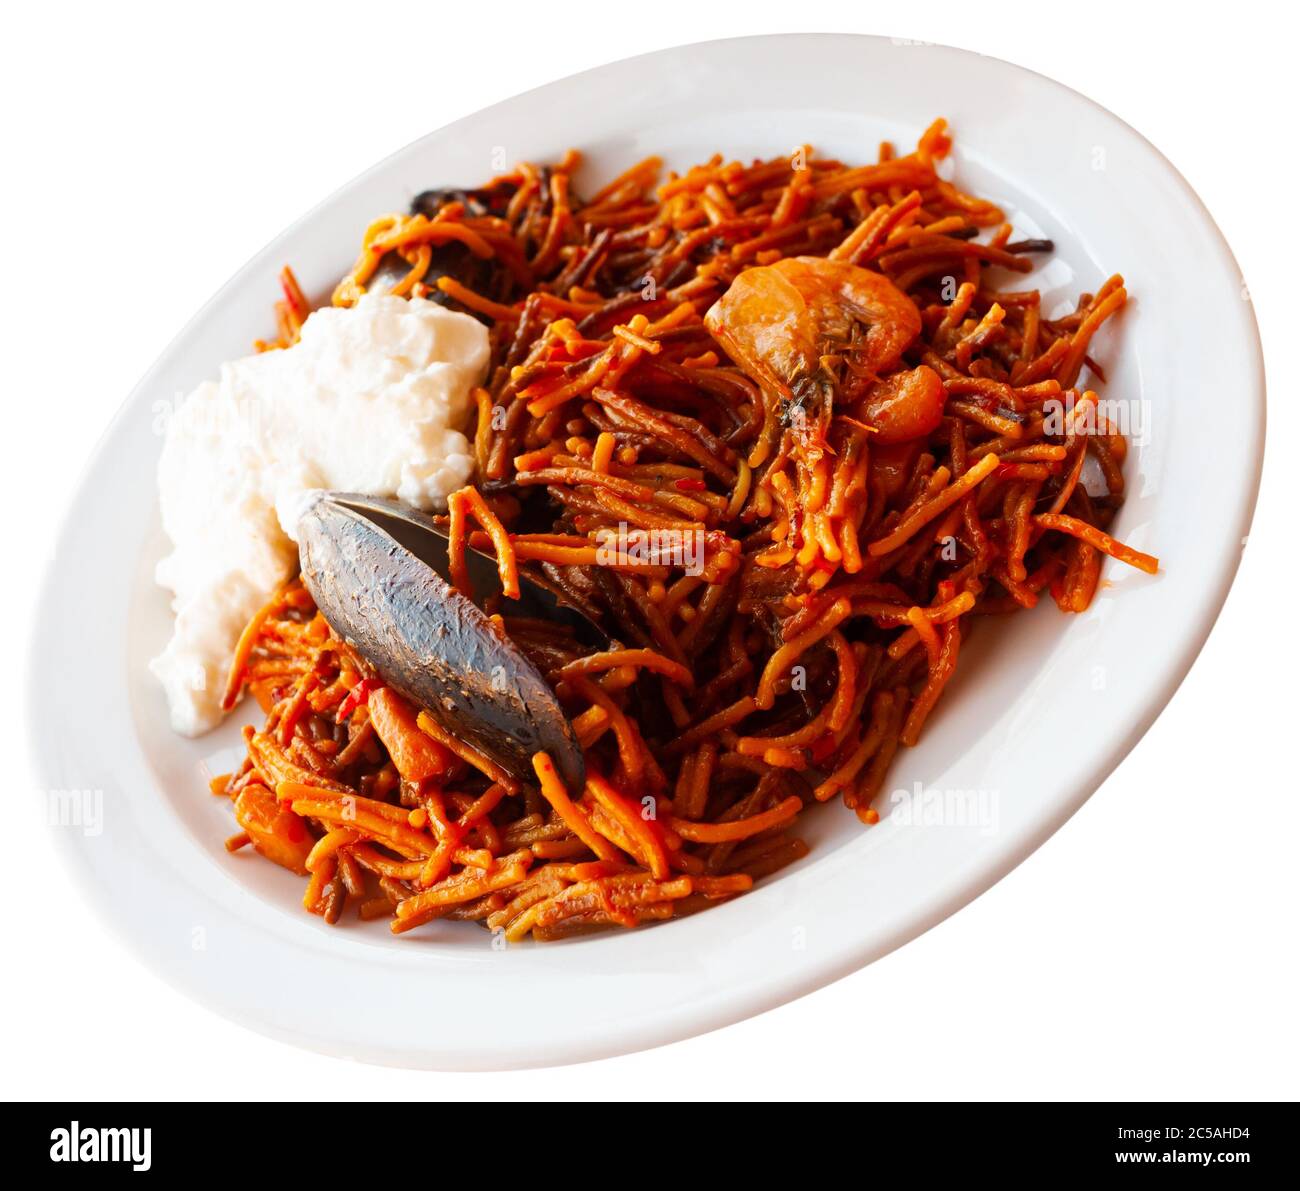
(1045,705)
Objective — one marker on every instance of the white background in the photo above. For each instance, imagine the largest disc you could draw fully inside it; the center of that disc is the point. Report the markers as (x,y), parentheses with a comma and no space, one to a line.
(1149,950)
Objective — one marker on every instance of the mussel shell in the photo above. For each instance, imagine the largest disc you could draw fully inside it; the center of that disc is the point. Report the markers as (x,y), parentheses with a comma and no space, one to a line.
(429,542)
(452,260)
(476,202)
(429,642)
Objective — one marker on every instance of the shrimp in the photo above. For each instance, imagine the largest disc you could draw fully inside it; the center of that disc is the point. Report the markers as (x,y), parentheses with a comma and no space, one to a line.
(904,406)
(806,327)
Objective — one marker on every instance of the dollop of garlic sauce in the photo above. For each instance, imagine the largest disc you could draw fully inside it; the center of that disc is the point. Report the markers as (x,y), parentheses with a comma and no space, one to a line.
(372,399)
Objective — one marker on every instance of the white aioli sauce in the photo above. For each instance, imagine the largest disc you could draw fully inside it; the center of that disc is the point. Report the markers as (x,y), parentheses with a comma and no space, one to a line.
(372,399)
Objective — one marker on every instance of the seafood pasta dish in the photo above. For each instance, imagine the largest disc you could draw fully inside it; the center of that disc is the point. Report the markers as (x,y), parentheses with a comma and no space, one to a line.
(590,535)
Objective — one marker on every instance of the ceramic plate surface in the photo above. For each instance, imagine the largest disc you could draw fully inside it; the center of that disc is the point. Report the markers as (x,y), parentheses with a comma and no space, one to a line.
(1044,707)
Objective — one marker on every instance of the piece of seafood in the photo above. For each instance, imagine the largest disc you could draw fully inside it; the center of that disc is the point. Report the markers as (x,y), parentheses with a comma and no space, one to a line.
(816,333)
(903,406)
(452,259)
(369,564)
